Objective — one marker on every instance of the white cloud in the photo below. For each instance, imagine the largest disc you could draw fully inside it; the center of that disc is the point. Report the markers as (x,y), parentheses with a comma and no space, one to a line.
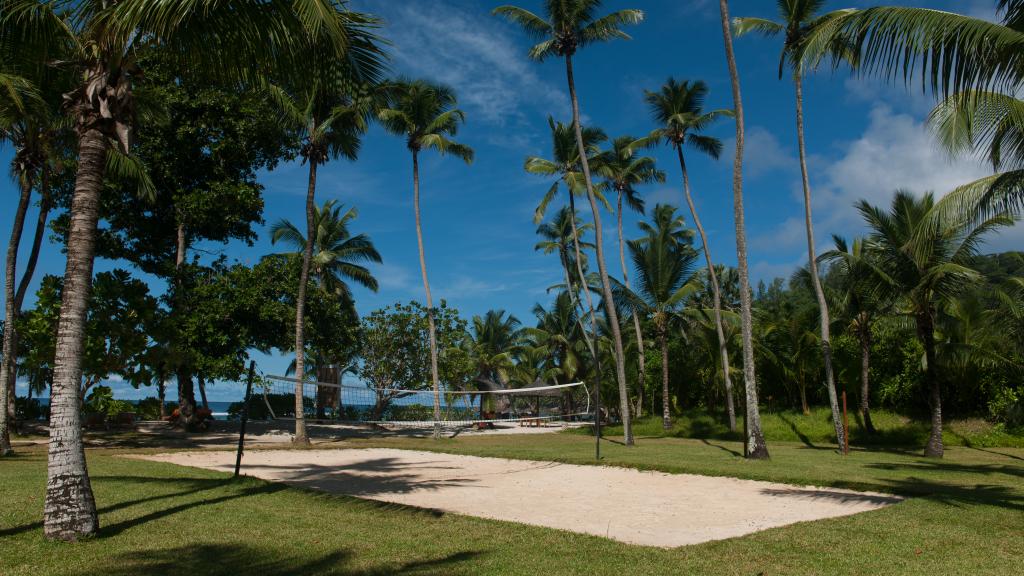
(471,51)
(393,278)
(896,151)
(465,287)
(763,153)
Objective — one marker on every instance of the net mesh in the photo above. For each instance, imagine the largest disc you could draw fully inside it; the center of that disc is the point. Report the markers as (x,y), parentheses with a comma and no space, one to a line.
(274,399)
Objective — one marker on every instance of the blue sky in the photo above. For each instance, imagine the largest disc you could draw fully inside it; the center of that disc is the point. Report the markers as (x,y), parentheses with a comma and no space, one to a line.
(865,139)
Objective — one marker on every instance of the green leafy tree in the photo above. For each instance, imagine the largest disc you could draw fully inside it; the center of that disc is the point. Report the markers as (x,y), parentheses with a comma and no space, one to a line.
(426,116)
(678,108)
(924,251)
(98,40)
(570,26)
(396,353)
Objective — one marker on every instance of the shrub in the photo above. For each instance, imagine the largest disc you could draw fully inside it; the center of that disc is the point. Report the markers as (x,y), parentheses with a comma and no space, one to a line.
(1008,407)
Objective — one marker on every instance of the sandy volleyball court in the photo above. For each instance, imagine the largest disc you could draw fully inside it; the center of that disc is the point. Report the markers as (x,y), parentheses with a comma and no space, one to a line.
(648,508)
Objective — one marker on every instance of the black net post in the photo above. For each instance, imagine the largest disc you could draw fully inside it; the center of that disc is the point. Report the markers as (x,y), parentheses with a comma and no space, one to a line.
(245,417)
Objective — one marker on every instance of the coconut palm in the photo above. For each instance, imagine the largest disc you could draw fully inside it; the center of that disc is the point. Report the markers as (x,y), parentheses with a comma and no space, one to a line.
(492,343)
(924,252)
(571,25)
(973,64)
(861,303)
(566,166)
(559,332)
(678,109)
(97,40)
(426,116)
(754,445)
(623,171)
(799,20)
(665,278)
(559,235)
(328,115)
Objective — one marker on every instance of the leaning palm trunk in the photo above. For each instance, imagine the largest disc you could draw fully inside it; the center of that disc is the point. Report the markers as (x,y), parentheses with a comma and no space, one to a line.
(723,349)
(641,371)
(591,339)
(754,446)
(926,333)
(10,311)
(300,305)
(826,343)
(69,512)
(434,379)
(606,288)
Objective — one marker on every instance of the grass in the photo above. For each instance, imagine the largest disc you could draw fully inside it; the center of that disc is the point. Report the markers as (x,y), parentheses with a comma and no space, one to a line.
(815,428)
(965,517)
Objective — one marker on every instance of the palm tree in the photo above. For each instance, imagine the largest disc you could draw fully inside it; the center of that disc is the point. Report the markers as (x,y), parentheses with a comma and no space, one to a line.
(665,278)
(679,110)
(623,172)
(560,235)
(425,114)
(492,342)
(801,19)
(924,252)
(329,120)
(234,40)
(565,164)
(559,333)
(861,302)
(754,445)
(571,25)
(973,64)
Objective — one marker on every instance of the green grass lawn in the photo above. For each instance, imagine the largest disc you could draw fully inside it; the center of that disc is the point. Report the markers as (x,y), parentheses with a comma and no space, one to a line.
(816,428)
(966,516)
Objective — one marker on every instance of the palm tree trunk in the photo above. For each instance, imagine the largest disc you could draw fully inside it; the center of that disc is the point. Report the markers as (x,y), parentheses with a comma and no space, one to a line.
(666,411)
(300,306)
(723,349)
(183,371)
(69,512)
(641,371)
(926,332)
(802,386)
(606,287)
(7,368)
(202,390)
(812,257)
(591,340)
(161,393)
(865,369)
(755,446)
(434,379)
(37,240)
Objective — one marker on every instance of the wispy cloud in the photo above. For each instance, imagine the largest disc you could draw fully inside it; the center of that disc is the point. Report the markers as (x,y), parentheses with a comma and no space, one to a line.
(463,46)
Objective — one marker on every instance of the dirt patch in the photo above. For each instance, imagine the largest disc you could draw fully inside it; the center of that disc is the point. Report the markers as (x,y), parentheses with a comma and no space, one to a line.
(648,508)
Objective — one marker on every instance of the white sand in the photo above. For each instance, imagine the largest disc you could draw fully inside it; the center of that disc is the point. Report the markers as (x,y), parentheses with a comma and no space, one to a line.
(648,508)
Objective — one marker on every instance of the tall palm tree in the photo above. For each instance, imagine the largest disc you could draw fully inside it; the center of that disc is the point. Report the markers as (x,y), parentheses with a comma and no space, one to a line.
(623,171)
(329,117)
(571,25)
(861,301)
(234,40)
(924,254)
(561,236)
(678,109)
(425,114)
(799,20)
(566,165)
(665,277)
(754,445)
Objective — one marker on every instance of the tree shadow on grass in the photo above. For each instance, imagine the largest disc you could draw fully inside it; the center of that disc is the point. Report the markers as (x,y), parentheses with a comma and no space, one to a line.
(193,486)
(230,560)
(723,448)
(799,434)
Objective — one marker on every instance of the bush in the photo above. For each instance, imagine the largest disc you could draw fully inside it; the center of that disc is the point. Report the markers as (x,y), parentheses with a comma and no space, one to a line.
(30,409)
(1008,408)
(149,408)
(101,401)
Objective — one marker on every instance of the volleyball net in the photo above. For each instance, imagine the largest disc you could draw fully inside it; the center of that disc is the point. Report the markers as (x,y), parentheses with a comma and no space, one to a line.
(274,398)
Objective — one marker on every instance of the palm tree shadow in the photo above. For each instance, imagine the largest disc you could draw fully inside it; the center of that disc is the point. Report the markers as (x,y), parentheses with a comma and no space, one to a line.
(723,448)
(792,426)
(229,560)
